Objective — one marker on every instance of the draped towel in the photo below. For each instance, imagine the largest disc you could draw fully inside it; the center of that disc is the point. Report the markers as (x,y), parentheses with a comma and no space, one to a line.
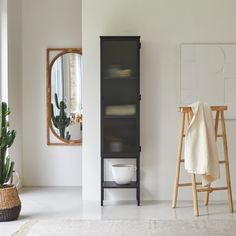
(201,155)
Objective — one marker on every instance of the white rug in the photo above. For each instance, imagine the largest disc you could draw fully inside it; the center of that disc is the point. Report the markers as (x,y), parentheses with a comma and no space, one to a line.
(128,228)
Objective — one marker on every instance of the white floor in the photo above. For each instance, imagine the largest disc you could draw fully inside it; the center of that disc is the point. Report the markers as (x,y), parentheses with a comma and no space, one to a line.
(66,203)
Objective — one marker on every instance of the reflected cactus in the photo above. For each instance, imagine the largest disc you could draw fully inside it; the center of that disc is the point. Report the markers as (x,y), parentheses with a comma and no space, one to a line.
(61,121)
(7,138)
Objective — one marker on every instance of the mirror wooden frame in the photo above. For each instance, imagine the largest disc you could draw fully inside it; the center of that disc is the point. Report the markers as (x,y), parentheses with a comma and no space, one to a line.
(50,131)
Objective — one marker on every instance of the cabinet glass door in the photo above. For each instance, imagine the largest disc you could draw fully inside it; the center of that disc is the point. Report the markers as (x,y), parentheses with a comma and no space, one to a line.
(119,59)
(120,96)
(120,136)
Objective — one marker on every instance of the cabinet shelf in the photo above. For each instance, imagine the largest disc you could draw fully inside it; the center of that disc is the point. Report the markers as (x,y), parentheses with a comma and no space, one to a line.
(120,78)
(113,184)
(119,155)
(119,117)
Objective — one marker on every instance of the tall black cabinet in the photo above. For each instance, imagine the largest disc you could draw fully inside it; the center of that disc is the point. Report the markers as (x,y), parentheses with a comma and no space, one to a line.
(120,105)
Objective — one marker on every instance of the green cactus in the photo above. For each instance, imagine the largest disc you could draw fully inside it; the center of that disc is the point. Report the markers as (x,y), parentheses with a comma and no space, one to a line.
(61,121)
(7,138)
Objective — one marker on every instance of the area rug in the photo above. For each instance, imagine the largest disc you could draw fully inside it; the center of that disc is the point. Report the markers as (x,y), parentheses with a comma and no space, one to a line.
(128,228)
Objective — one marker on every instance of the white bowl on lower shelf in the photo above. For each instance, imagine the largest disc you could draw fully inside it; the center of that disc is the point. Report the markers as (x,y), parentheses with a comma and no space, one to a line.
(122,173)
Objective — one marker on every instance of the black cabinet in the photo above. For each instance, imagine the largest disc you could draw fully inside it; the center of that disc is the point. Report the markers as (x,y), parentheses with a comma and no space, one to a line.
(120,105)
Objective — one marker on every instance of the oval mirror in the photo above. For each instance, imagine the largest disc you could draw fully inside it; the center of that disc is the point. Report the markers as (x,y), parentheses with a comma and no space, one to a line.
(65,108)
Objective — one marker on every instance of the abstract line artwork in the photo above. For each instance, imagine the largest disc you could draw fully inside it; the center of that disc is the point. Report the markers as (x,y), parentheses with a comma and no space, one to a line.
(208,74)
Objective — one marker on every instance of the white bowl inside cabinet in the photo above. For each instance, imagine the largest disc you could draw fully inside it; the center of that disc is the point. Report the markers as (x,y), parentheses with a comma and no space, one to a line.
(123,173)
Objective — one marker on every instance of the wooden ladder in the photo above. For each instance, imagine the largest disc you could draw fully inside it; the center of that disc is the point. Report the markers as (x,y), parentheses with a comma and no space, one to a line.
(186,116)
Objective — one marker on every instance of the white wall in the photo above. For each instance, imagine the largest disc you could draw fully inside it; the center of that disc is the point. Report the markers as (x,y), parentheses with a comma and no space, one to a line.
(15,78)
(46,23)
(163,25)
(3,52)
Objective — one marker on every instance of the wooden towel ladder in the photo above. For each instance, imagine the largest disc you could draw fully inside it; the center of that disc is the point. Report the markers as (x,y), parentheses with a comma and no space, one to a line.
(186,116)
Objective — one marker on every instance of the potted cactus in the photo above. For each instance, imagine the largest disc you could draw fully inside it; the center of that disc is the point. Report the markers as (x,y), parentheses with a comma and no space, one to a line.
(10,204)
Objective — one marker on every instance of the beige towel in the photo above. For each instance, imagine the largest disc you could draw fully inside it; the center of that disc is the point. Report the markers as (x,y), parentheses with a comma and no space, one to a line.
(120,110)
(201,155)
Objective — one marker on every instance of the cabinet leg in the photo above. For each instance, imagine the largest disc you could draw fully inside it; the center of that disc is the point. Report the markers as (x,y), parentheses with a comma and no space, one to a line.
(138,180)
(138,196)
(102,196)
(102,180)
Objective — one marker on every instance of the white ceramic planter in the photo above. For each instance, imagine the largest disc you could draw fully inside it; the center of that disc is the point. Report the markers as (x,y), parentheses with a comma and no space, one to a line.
(122,173)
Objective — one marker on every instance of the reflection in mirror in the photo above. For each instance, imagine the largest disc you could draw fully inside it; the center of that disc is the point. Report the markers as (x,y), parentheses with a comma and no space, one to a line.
(65,110)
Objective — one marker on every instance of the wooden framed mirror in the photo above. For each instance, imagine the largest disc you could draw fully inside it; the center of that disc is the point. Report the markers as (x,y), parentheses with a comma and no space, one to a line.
(64,96)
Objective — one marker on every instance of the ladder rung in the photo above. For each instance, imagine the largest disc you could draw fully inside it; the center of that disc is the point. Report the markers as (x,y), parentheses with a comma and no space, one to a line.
(218,135)
(219,188)
(213,108)
(205,189)
(222,162)
(210,189)
(188,184)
